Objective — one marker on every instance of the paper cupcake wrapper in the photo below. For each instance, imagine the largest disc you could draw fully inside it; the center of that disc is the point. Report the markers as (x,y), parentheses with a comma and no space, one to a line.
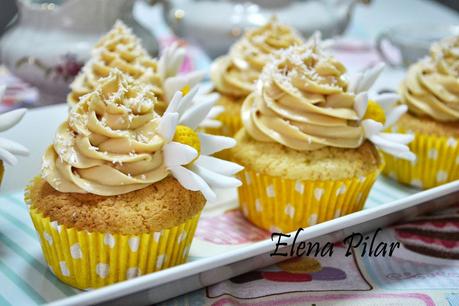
(283,205)
(437,162)
(87,260)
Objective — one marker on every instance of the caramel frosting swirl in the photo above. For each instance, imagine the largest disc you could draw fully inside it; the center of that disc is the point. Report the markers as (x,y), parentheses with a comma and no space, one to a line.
(119,49)
(431,87)
(301,101)
(108,145)
(235,74)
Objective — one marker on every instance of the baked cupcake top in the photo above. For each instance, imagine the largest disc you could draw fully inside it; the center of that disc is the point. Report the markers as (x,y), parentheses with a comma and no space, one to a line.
(121,49)
(431,87)
(114,142)
(304,101)
(235,74)
(8,148)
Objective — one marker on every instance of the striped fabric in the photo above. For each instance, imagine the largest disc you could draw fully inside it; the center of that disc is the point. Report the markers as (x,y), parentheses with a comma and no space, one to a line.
(24,275)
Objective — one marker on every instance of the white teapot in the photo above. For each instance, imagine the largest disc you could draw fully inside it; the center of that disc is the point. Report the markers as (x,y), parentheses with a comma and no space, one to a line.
(49,42)
(215,25)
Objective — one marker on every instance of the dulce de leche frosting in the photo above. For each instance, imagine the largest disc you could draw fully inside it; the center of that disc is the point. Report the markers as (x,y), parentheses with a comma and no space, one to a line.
(301,102)
(431,87)
(108,145)
(235,74)
(119,49)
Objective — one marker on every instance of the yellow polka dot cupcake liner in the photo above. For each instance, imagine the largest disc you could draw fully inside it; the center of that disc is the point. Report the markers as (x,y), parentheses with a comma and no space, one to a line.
(437,162)
(87,260)
(283,205)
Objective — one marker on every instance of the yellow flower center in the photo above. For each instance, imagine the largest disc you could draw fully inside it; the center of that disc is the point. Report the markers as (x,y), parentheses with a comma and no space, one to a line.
(188,136)
(375,112)
(185,90)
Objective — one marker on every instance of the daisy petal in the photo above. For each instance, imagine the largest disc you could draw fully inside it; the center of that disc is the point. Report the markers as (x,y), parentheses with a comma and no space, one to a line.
(196,114)
(400,138)
(13,147)
(187,100)
(170,61)
(395,115)
(355,81)
(167,126)
(361,104)
(194,78)
(218,165)
(191,181)
(202,98)
(408,155)
(369,77)
(8,157)
(178,154)
(8,120)
(215,111)
(174,103)
(387,101)
(211,144)
(385,143)
(162,63)
(215,179)
(176,83)
(371,127)
(205,88)
(175,62)
(210,123)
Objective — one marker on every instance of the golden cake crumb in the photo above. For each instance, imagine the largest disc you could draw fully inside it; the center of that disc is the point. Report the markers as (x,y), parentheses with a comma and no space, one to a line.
(328,163)
(162,205)
(426,125)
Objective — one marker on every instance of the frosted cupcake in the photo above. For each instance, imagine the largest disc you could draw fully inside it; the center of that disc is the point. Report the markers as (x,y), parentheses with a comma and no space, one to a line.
(309,142)
(9,149)
(234,75)
(430,91)
(122,188)
(121,49)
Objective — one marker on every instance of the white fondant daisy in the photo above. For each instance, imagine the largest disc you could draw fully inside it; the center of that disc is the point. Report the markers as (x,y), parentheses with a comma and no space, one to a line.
(168,69)
(170,61)
(8,148)
(187,152)
(379,114)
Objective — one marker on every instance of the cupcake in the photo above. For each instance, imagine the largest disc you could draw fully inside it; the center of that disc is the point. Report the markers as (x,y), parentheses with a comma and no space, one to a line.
(121,189)
(9,149)
(430,91)
(309,145)
(234,75)
(121,49)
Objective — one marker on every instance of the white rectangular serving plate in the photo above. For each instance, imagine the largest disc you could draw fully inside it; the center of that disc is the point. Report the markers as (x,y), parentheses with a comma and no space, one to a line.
(388,202)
